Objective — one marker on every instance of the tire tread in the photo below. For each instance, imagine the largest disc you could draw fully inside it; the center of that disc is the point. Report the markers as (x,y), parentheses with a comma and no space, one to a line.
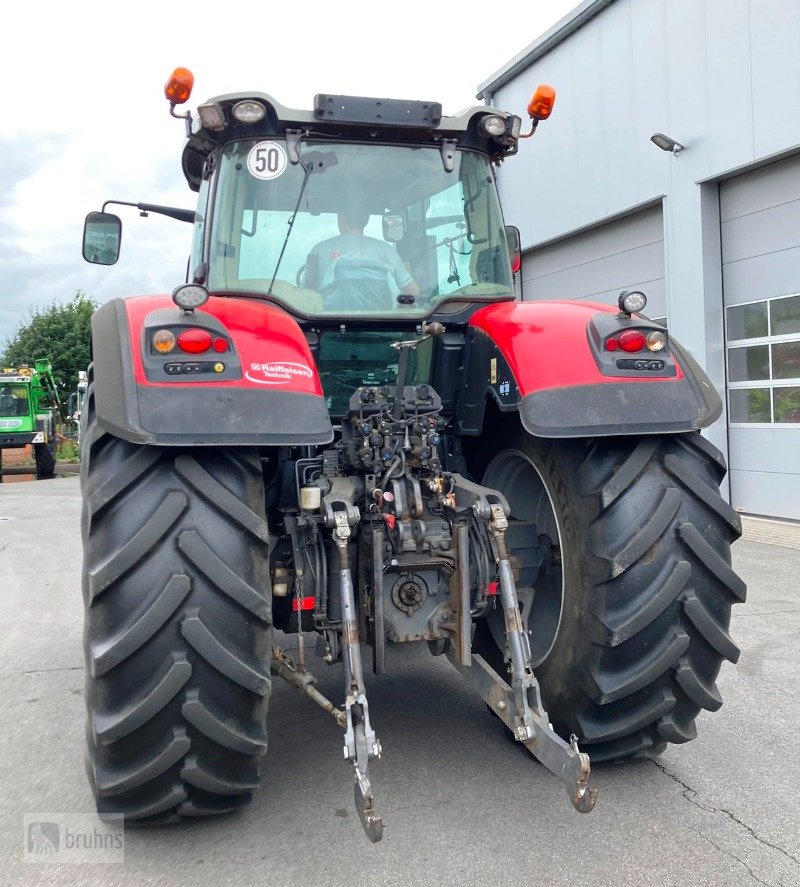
(139,546)
(173,617)
(104,656)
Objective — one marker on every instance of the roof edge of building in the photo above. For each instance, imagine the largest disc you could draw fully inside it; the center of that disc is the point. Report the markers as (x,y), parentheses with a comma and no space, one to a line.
(562,29)
(594,224)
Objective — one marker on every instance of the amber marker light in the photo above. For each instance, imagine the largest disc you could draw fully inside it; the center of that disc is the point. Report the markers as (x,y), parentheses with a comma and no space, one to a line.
(179,86)
(164,341)
(540,107)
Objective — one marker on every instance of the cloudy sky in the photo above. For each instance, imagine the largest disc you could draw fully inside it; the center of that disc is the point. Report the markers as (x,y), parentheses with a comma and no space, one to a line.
(84,118)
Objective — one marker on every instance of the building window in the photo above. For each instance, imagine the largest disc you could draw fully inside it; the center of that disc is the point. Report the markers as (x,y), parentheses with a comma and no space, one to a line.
(763,350)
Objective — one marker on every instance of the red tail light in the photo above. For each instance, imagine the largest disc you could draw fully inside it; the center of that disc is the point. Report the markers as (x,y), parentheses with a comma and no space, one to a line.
(305,603)
(630,340)
(194,341)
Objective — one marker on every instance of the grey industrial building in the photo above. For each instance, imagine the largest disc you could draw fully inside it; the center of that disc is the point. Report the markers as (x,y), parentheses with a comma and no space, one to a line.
(710,232)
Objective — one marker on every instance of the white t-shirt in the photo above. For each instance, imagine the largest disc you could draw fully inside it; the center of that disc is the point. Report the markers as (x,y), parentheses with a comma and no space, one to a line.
(355,249)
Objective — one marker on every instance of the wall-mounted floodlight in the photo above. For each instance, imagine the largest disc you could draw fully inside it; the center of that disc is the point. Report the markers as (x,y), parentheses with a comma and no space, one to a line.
(666,143)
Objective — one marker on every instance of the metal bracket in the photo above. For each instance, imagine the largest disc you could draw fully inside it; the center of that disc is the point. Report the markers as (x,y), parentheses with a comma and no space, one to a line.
(487,505)
(293,138)
(340,501)
(469,495)
(449,154)
(461,622)
(210,164)
(378,639)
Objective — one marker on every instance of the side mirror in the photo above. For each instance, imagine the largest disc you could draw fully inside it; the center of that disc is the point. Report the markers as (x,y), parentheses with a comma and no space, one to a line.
(394,226)
(514,248)
(102,233)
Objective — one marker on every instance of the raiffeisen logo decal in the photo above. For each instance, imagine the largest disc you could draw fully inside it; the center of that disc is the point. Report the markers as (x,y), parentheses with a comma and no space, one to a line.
(278,372)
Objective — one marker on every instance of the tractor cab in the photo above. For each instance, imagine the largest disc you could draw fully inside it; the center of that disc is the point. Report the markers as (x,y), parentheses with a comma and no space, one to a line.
(354,230)
(377,209)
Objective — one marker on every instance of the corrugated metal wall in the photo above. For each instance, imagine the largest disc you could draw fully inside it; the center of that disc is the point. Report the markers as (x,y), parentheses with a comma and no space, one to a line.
(597,264)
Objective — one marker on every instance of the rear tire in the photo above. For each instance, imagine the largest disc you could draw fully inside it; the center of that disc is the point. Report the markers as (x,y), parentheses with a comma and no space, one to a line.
(177,628)
(45,458)
(642,627)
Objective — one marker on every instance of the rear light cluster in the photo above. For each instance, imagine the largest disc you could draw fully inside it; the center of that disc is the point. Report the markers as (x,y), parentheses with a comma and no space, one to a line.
(194,340)
(637,340)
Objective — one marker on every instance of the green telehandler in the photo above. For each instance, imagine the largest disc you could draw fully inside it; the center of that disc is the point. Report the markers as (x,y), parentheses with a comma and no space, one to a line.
(29,407)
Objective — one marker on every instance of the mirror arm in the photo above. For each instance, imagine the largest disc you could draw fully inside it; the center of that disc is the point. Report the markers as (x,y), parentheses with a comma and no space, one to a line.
(174,212)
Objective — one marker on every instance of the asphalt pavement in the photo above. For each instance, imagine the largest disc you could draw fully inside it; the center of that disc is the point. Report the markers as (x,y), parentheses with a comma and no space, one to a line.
(461,803)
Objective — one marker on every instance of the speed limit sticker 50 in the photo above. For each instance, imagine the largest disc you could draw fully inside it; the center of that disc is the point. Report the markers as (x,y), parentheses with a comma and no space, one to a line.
(267,160)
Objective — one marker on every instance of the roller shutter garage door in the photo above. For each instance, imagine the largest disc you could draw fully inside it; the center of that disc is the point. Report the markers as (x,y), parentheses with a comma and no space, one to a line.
(760,219)
(596,265)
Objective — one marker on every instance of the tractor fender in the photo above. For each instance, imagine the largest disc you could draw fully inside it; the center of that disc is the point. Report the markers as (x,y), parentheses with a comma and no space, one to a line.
(547,360)
(257,384)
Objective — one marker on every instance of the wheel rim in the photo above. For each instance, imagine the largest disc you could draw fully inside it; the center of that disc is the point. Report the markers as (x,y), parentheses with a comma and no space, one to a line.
(514,475)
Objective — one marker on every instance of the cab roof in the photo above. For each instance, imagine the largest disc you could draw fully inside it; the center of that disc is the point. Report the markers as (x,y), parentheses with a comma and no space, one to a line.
(344,118)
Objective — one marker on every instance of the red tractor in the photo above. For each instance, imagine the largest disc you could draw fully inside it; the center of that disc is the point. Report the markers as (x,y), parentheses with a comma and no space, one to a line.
(346,423)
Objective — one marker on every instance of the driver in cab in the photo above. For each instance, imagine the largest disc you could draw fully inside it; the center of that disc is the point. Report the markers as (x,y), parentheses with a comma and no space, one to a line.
(354,272)
(8,403)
